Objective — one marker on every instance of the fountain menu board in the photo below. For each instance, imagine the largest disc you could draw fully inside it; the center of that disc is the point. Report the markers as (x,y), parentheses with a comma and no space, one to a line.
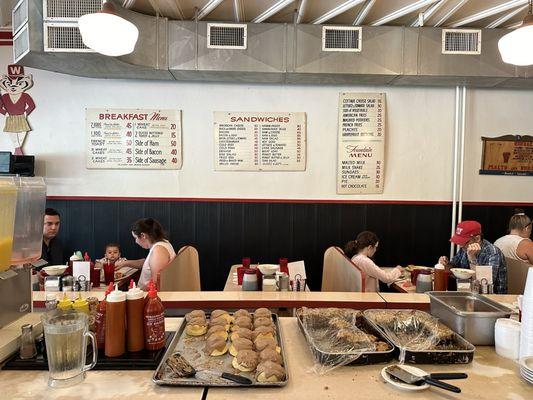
(507,155)
(249,141)
(133,138)
(361,143)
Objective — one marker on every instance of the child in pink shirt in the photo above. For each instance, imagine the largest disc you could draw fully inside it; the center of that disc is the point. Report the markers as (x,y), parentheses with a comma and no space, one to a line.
(362,249)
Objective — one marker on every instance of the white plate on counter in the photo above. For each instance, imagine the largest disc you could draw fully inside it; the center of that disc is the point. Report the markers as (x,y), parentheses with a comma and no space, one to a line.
(402,385)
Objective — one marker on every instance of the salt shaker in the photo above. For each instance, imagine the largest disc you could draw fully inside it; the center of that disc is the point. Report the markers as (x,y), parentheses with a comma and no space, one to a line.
(27,345)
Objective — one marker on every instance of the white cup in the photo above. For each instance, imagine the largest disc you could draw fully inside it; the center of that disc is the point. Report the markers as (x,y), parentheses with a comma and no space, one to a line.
(507,338)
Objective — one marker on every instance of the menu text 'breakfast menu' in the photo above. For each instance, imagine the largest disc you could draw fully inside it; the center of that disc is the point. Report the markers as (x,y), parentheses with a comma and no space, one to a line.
(133,139)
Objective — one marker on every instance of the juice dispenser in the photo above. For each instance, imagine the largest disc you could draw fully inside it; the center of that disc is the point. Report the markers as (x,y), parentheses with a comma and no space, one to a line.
(8,202)
(28,235)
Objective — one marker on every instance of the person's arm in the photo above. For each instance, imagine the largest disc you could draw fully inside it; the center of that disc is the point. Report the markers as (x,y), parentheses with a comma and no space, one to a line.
(158,261)
(371,269)
(138,264)
(525,250)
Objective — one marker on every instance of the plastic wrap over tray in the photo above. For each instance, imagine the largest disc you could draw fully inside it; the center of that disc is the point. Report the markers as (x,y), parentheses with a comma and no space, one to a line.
(338,337)
(420,337)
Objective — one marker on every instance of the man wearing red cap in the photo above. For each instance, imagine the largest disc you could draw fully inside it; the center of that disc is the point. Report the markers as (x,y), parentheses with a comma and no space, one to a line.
(474,250)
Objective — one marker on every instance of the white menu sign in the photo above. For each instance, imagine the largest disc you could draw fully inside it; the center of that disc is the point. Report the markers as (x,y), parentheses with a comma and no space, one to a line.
(361,148)
(249,141)
(133,138)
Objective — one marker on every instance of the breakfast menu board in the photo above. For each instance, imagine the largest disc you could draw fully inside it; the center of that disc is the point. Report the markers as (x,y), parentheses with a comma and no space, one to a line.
(250,141)
(507,155)
(361,143)
(133,138)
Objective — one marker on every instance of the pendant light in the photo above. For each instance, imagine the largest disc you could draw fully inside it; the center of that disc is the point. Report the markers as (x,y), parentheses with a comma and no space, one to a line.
(107,33)
(516,47)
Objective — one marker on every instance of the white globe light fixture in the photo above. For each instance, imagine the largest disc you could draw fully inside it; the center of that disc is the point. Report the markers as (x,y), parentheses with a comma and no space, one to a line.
(107,33)
(516,47)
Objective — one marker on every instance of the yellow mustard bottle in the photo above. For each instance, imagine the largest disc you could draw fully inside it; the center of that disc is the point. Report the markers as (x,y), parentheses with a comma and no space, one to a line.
(81,305)
(65,303)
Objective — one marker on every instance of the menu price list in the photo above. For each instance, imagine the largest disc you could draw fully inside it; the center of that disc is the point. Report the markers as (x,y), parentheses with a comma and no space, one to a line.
(247,141)
(133,139)
(361,143)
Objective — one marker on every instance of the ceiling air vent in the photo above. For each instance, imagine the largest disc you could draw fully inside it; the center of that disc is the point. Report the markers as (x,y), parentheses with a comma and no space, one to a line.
(69,10)
(226,36)
(21,43)
(461,41)
(64,37)
(19,15)
(341,38)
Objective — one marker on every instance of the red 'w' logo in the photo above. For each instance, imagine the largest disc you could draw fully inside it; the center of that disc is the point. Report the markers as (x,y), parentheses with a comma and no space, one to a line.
(14,70)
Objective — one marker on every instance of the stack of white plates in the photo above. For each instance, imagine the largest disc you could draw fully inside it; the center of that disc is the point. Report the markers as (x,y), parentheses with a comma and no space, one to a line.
(526,368)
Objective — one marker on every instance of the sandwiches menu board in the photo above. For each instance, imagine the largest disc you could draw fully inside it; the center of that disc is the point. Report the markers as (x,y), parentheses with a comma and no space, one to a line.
(361,143)
(133,138)
(250,141)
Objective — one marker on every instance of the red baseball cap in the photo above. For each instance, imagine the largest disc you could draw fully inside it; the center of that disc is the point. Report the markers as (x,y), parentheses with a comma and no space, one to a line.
(465,231)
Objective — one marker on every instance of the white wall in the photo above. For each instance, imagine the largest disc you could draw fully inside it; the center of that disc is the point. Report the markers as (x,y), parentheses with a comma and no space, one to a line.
(419,139)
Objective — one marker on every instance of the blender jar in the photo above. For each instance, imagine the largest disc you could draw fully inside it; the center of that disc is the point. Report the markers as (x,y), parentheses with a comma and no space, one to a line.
(28,235)
(8,202)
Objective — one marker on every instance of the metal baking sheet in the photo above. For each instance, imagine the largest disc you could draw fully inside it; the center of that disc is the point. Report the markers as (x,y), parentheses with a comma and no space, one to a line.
(464,354)
(192,348)
(366,358)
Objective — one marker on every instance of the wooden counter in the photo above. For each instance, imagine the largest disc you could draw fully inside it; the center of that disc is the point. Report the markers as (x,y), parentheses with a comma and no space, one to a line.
(490,377)
(207,300)
(130,385)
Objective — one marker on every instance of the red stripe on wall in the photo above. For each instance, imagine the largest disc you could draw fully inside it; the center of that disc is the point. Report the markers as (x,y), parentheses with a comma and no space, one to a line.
(305,201)
(6,43)
(6,35)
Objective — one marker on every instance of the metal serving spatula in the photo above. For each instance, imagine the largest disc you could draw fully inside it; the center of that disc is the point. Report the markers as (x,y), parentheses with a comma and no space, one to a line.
(407,377)
(181,367)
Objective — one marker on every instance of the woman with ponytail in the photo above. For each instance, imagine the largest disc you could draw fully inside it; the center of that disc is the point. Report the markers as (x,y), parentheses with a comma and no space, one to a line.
(148,233)
(361,250)
(517,245)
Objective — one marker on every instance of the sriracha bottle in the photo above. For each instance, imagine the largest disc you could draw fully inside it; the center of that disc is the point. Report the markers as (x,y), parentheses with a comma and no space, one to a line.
(154,321)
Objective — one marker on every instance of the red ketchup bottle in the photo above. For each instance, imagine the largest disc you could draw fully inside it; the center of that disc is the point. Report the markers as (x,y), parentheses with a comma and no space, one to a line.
(284,265)
(134,318)
(94,273)
(100,319)
(154,321)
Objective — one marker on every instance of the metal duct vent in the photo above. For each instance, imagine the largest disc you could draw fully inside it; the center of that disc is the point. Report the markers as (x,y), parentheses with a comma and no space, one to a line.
(63,37)
(461,41)
(19,15)
(341,38)
(69,10)
(226,36)
(21,43)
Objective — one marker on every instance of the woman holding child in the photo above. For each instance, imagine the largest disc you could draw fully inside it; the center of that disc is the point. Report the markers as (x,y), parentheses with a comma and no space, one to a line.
(148,233)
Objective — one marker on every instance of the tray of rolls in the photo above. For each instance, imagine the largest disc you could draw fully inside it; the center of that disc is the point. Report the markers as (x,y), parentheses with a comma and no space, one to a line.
(339,336)
(242,343)
(420,337)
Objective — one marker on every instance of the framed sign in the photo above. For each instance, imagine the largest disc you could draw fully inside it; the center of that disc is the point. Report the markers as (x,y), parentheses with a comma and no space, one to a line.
(361,143)
(507,155)
(259,141)
(133,138)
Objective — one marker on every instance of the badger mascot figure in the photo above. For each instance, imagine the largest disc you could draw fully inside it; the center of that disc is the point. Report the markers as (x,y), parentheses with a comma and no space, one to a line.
(16,104)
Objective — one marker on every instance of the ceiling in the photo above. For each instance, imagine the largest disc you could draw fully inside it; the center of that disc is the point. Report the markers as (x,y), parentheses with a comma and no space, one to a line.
(445,13)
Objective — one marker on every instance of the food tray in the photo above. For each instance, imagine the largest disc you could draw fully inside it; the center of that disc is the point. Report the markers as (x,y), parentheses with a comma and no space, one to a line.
(192,348)
(471,315)
(370,357)
(459,351)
